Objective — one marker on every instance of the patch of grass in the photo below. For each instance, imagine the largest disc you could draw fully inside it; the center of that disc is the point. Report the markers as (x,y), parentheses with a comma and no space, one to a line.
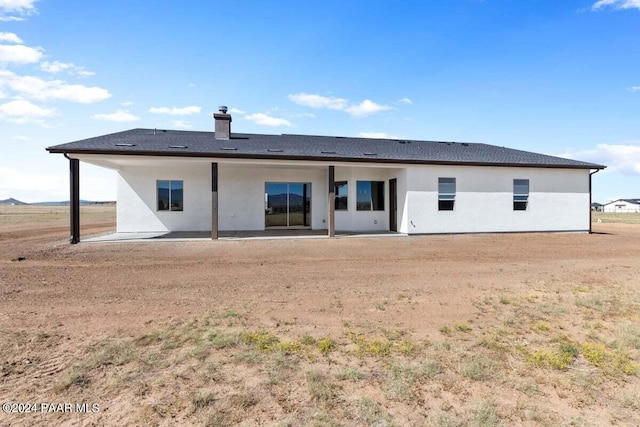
(594,353)
(370,412)
(630,399)
(111,352)
(201,350)
(77,377)
(202,401)
(629,334)
(463,327)
(262,339)
(560,358)
(442,419)
(378,347)
(526,386)
(430,368)
(228,313)
(445,330)
(150,338)
(242,400)
(551,308)
(307,339)
(541,327)
(349,374)
(320,390)
(322,419)
(381,306)
(325,345)
(402,377)
(609,362)
(215,418)
(478,367)
(485,414)
(219,340)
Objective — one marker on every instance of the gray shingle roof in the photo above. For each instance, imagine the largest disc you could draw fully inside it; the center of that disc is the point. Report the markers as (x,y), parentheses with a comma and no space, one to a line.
(308,147)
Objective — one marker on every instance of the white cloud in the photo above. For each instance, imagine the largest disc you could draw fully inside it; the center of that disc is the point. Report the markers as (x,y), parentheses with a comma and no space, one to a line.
(181,124)
(634,89)
(236,111)
(118,116)
(319,101)
(263,119)
(43,90)
(184,111)
(305,115)
(22,111)
(19,54)
(622,158)
(20,7)
(10,37)
(71,68)
(406,101)
(377,135)
(364,108)
(616,4)
(127,104)
(21,138)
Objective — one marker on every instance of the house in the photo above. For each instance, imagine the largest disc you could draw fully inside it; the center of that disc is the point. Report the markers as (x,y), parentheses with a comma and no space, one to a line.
(596,207)
(222,181)
(623,205)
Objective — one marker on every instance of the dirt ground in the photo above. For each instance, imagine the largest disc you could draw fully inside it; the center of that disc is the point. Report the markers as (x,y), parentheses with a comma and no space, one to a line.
(318,287)
(118,288)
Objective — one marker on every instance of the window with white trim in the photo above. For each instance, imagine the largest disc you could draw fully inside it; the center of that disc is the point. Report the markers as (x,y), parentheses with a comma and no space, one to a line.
(446,194)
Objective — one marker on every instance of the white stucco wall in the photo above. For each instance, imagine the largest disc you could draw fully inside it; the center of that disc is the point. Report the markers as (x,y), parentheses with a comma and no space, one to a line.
(137,198)
(621,206)
(558,200)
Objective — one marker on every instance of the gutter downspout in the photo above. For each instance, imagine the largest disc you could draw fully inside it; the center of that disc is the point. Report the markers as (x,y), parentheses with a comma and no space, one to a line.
(591,201)
(74,199)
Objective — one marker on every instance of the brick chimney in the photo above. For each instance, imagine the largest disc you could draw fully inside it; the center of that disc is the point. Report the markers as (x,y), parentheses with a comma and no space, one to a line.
(223,123)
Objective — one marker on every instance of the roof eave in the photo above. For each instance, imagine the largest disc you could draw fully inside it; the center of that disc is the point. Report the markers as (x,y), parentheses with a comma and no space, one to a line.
(56,149)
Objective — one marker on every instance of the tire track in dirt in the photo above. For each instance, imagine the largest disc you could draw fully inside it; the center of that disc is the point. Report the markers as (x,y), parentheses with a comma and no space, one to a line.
(31,366)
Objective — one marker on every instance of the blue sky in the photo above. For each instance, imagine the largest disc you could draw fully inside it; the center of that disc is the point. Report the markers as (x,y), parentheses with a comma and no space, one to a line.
(556,77)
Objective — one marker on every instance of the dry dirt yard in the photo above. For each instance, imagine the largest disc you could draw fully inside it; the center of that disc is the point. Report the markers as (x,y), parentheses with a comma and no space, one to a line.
(515,329)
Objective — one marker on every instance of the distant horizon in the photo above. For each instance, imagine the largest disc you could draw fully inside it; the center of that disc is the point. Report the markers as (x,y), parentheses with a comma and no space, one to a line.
(60,202)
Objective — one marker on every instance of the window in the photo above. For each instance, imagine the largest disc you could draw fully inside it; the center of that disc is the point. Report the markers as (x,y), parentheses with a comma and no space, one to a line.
(341,191)
(446,193)
(370,195)
(520,194)
(170,196)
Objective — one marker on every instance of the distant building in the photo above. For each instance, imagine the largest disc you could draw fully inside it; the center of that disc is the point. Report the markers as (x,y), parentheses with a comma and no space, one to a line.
(623,205)
(596,207)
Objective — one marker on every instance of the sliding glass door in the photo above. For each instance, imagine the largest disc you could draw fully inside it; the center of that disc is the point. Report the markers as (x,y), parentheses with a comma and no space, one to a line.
(287,204)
